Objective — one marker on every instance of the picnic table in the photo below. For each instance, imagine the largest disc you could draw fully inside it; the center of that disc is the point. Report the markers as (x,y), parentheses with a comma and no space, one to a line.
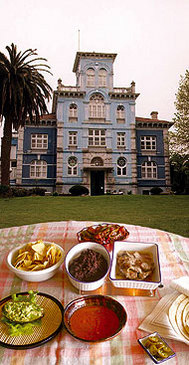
(64,349)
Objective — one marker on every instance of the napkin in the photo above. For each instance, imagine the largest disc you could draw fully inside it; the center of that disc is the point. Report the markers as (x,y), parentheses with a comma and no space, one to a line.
(158,319)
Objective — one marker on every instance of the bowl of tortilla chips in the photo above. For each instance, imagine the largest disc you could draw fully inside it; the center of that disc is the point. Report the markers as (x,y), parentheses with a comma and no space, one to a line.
(36,261)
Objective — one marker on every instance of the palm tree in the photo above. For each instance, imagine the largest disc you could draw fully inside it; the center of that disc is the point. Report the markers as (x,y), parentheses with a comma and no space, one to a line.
(23,95)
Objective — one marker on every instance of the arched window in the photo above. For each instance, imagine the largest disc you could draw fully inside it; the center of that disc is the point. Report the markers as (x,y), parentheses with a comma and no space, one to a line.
(121,166)
(72,112)
(120,112)
(90,77)
(149,170)
(102,77)
(72,166)
(38,169)
(97,161)
(96,107)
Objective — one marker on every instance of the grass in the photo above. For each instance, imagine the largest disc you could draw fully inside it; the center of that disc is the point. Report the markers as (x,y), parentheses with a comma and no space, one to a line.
(169,213)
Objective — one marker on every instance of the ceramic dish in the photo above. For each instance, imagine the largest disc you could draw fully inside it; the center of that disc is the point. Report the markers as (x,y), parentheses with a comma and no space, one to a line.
(147,284)
(158,359)
(74,252)
(94,318)
(34,276)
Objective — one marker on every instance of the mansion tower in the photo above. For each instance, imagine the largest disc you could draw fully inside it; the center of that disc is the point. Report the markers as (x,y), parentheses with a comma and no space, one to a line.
(93,138)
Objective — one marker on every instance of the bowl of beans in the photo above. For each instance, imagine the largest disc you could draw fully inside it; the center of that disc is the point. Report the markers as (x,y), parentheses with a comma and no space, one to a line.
(87,265)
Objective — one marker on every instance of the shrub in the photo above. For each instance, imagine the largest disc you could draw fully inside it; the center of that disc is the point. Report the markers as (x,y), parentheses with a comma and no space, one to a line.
(18,192)
(5,191)
(156,190)
(38,191)
(77,190)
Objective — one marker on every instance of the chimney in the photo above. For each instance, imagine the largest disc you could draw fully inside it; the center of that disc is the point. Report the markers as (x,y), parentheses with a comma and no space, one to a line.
(154,115)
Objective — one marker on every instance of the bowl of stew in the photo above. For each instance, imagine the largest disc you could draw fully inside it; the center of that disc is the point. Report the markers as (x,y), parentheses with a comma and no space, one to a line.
(94,318)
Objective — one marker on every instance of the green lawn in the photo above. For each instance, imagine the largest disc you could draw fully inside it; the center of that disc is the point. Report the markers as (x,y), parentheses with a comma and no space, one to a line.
(169,213)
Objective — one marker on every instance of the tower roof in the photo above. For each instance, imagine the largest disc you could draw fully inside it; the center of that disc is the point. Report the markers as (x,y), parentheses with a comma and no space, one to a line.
(94,55)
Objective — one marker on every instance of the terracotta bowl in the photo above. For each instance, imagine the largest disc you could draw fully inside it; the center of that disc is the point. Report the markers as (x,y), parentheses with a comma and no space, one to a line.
(110,317)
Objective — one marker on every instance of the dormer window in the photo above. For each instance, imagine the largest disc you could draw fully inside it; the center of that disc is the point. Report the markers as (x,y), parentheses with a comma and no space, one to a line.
(102,77)
(90,77)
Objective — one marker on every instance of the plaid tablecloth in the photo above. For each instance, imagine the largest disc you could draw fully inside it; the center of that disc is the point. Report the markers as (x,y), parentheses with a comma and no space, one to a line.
(65,350)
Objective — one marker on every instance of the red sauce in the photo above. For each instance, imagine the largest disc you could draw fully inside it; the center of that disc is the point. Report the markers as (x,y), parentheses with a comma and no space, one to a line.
(94,323)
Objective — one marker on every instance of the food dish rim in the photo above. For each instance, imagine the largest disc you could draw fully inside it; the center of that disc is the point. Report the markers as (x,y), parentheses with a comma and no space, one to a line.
(102,248)
(128,283)
(40,342)
(38,275)
(140,340)
(97,297)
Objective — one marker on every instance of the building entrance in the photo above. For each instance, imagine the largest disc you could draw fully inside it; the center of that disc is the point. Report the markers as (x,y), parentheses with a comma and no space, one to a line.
(97,182)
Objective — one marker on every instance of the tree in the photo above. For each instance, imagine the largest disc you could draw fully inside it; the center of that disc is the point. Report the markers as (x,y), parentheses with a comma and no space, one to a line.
(180,173)
(179,136)
(23,94)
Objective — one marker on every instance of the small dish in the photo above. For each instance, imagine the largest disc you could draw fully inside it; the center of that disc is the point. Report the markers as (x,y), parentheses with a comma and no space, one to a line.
(105,234)
(34,276)
(150,283)
(162,355)
(94,318)
(74,252)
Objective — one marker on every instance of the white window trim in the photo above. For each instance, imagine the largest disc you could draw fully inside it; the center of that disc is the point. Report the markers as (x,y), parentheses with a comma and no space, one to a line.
(97,137)
(72,138)
(90,75)
(39,141)
(120,113)
(72,170)
(97,107)
(102,78)
(121,139)
(122,170)
(148,142)
(149,170)
(38,169)
(73,111)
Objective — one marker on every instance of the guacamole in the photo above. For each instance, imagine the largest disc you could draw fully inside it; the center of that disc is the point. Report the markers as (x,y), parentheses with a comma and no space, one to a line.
(22,312)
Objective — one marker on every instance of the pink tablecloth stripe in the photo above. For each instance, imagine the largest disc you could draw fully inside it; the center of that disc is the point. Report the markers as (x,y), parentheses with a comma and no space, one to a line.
(123,349)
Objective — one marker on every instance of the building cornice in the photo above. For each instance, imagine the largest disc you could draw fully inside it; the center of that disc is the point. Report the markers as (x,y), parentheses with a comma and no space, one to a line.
(94,55)
(152,123)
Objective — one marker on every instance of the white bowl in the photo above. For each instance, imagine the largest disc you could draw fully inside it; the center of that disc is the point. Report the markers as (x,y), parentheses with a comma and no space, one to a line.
(74,252)
(37,276)
(152,249)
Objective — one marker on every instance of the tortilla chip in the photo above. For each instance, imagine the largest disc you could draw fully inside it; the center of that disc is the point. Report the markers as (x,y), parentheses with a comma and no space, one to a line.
(37,256)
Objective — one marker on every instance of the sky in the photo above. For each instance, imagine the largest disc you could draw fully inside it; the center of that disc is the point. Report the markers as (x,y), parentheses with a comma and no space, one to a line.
(150,38)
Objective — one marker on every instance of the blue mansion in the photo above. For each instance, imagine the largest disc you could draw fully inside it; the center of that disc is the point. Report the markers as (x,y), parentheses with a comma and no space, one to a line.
(93,138)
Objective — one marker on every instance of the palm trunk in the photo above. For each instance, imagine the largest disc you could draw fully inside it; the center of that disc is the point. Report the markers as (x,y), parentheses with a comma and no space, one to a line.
(5,152)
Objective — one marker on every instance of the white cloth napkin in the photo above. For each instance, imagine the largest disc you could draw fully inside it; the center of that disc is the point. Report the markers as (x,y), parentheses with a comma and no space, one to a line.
(158,319)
